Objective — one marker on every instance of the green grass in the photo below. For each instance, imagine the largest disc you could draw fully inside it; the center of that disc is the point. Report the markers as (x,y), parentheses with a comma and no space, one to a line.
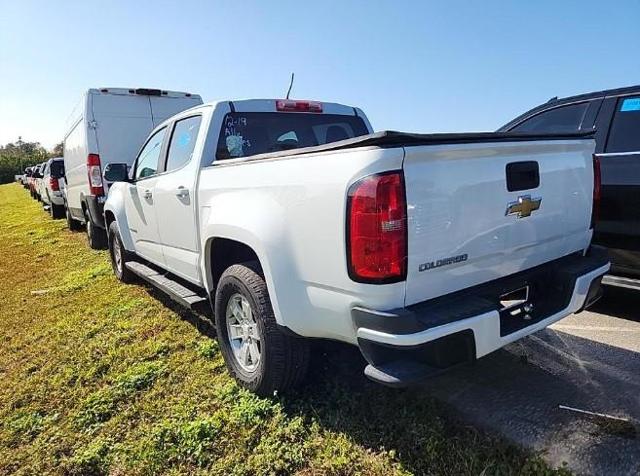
(101,378)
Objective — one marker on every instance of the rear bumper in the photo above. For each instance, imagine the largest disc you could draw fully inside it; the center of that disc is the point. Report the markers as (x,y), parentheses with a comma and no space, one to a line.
(408,345)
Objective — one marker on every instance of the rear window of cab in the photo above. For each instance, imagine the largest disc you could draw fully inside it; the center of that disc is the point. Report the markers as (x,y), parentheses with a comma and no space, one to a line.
(57,169)
(244,134)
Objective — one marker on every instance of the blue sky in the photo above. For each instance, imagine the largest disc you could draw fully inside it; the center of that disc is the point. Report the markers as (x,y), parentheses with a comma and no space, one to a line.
(416,66)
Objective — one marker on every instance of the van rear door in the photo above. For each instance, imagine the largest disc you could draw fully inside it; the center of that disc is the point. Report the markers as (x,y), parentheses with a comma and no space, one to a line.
(121,124)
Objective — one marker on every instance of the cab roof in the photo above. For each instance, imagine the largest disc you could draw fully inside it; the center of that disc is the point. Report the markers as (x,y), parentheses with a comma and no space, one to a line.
(269,105)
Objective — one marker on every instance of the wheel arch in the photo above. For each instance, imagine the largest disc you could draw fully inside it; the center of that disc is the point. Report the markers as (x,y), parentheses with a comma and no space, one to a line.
(109,217)
(222,251)
(114,210)
(225,252)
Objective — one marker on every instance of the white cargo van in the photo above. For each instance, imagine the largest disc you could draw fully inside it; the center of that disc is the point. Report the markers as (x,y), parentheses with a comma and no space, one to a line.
(109,125)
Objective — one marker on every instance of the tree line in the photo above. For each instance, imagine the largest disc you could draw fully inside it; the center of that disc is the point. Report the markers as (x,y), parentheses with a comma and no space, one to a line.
(16,156)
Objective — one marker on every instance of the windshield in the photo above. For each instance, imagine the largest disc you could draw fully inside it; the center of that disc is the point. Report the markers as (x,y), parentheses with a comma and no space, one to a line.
(250,133)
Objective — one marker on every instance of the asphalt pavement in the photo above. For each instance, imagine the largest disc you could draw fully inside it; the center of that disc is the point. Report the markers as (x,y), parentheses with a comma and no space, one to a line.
(571,392)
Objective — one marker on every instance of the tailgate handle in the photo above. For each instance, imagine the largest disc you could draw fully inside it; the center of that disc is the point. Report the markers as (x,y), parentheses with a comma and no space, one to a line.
(522,175)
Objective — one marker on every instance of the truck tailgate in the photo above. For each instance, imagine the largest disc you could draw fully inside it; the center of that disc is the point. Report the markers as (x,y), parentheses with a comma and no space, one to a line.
(472,217)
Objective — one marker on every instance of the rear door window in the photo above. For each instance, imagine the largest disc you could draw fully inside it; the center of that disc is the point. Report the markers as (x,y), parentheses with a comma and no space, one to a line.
(250,133)
(183,141)
(163,107)
(624,135)
(560,119)
(147,163)
(57,169)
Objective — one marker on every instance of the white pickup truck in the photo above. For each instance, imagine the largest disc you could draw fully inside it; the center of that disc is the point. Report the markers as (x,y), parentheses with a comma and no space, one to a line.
(294,221)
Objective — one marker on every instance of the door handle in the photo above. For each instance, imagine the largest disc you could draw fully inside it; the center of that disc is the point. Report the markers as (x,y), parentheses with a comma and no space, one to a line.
(182,192)
(147,194)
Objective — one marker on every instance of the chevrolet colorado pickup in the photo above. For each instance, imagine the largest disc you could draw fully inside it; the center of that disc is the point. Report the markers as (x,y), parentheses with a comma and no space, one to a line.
(292,220)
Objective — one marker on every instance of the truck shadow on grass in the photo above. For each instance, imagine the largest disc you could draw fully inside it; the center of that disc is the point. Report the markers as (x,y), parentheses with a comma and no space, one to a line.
(523,391)
(518,393)
(419,431)
(515,393)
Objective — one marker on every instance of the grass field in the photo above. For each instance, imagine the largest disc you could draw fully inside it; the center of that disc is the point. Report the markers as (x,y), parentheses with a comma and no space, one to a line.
(97,377)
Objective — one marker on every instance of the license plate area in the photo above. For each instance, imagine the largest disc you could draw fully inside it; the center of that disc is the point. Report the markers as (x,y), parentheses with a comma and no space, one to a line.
(513,301)
(518,308)
(531,301)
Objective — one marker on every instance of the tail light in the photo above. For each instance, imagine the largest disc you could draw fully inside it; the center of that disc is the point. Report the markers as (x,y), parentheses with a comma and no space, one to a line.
(597,191)
(377,229)
(288,105)
(53,184)
(95,175)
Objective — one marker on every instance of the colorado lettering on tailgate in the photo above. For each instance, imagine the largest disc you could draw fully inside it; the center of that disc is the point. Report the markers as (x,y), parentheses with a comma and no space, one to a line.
(442,262)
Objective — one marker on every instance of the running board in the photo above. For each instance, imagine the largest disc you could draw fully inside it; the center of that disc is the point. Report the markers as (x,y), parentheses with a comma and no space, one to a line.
(176,291)
(621,282)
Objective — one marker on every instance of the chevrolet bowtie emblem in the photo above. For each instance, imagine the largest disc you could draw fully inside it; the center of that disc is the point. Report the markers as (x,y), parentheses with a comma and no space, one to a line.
(523,206)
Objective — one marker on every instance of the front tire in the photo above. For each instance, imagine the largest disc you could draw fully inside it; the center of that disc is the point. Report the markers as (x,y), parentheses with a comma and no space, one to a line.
(96,237)
(257,353)
(119,255)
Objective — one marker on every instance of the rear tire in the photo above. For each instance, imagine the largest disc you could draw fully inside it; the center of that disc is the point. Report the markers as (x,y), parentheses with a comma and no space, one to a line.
(119,255)
(260,356)
(74,225)
(57,211)
(96,236)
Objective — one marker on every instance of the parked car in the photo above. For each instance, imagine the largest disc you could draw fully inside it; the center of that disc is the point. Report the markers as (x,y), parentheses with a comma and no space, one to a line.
(614,114)
(25,177)
(31,181)
(109,125)
(40,181)
(36,181)
(425,251)
(51,192)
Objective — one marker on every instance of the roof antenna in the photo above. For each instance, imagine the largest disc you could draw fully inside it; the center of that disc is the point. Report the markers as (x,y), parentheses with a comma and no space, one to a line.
(290,86)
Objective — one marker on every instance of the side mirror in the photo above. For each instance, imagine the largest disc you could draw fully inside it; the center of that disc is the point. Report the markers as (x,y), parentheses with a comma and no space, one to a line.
(116,173)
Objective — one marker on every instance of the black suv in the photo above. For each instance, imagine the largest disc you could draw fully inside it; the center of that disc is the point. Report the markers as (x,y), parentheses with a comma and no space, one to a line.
(615,116)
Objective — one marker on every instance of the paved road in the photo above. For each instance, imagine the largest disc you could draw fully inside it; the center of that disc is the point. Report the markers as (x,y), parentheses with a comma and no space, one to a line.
(588,361)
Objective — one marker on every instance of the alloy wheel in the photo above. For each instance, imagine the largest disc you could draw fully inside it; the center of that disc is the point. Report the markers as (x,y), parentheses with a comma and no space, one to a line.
(243,333)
